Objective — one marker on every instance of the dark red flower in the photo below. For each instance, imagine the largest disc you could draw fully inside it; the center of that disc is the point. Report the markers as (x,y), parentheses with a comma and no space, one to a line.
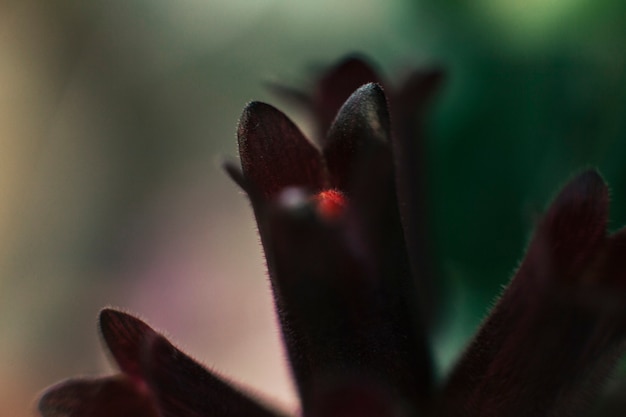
(349,291)
(408,103)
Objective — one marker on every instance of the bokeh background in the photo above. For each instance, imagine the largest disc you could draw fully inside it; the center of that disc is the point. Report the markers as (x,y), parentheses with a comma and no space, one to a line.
(114,116)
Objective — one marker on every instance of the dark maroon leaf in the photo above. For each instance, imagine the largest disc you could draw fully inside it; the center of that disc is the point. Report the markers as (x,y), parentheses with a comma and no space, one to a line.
(106,397)
(546,347)
(274,153)
(361,130)
(184,388)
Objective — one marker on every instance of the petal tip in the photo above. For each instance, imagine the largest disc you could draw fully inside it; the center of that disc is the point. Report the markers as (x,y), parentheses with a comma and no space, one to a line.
(114,322)
(372,90)
(575,225)
(125,336)
(585,196)
(110,317)
(255,110)
(368,103)
(274,153)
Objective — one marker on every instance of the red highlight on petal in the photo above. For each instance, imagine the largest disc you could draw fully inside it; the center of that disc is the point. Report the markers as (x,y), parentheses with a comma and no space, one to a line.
(330,203)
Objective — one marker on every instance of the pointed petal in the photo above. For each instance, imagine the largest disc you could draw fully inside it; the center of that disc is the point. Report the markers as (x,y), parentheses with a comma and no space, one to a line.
(274,153)
(361,129)
(546,347)
(409,108)
(115,396)
(576,223)
(373,219)
(126,336)
(336,85)
(185,388)
(180,385)
(337,316)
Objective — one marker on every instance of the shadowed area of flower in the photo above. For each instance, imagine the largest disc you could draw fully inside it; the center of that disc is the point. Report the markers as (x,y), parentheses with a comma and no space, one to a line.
(344,236)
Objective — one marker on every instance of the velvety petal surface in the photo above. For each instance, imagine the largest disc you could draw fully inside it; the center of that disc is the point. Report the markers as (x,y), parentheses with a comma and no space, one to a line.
(185,388)
(181,387)
(360,130)
(127,338)
(117,396)
(339,316)
(274,153)
(548,344)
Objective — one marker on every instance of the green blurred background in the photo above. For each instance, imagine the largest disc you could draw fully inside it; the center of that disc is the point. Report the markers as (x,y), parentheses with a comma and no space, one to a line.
(114,116)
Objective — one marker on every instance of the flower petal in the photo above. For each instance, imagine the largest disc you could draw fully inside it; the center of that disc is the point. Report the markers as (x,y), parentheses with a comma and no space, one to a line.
(338,315)
(126,337)
(547,346)
(337,84)
(274,153)
(360,130)
(114,396)
(183,387)
(408,108)
(373,220)
(575,225)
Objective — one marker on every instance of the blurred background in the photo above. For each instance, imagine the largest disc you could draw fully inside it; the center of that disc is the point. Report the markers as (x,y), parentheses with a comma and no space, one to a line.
(114,116)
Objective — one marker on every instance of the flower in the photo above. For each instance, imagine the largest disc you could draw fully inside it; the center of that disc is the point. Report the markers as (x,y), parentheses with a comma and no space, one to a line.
(408,103)
(359,255)
(348,292)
